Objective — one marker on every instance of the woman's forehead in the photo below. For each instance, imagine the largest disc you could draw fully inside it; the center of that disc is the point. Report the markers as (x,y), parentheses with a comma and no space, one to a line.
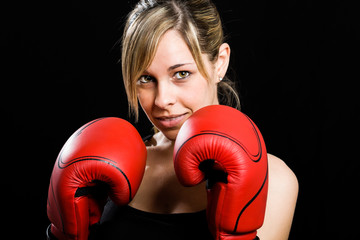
(172,50)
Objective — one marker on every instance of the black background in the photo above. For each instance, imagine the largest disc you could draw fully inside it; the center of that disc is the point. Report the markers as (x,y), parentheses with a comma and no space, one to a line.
(295,64)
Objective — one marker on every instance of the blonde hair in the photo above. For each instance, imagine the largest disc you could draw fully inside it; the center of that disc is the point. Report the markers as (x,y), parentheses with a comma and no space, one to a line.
(199,23)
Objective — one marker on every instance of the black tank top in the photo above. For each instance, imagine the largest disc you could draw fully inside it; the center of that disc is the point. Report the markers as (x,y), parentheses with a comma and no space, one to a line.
(127,223)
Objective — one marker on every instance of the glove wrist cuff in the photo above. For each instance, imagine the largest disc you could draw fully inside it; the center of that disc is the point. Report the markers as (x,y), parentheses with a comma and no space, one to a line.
(49,235)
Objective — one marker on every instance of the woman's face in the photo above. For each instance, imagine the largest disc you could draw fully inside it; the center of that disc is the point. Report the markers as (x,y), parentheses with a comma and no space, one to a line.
(172,88)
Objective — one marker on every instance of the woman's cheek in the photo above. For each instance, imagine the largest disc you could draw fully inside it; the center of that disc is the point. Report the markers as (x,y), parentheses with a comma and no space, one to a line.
(146,100)
(199,96)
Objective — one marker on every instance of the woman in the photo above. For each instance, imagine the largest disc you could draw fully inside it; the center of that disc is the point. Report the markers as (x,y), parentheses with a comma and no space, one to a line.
(174,62)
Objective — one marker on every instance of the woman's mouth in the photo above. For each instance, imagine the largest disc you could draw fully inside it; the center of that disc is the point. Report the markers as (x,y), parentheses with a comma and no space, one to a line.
(170,121)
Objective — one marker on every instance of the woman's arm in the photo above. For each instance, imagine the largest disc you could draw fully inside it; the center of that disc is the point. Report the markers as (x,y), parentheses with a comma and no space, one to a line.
(281,202)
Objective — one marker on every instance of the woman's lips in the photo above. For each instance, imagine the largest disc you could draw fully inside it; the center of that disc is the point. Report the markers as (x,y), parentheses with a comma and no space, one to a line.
(170,121)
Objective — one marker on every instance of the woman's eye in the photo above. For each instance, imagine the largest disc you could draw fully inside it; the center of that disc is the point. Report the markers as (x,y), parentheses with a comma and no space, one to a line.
(145,79)
(182,74)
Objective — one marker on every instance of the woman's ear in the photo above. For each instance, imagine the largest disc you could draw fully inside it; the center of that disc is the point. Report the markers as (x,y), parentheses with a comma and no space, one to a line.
(222,62)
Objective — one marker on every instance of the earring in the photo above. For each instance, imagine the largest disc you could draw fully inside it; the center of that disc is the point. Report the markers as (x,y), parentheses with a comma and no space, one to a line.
(220,78)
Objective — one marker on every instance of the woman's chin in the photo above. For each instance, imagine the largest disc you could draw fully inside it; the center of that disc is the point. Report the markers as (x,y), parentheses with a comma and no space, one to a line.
(170,134)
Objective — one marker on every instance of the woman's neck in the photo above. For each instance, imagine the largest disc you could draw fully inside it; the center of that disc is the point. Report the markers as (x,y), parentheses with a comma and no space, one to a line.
(161,141)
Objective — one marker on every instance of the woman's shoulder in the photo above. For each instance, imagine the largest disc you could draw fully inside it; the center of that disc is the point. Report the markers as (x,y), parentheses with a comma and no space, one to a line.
(282,175)
(281,201)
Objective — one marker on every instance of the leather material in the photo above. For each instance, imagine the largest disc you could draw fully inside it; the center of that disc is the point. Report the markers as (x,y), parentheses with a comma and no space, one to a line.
(105,157)
(223,146)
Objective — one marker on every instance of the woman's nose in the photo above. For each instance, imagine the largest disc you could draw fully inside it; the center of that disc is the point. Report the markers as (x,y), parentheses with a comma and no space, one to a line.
(165,94)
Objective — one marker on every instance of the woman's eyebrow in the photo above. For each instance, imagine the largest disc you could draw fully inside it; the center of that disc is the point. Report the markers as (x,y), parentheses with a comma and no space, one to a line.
(171,68)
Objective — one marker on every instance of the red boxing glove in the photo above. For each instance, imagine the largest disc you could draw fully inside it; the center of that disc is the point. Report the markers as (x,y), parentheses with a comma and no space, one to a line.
(104,157)
(223,146)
